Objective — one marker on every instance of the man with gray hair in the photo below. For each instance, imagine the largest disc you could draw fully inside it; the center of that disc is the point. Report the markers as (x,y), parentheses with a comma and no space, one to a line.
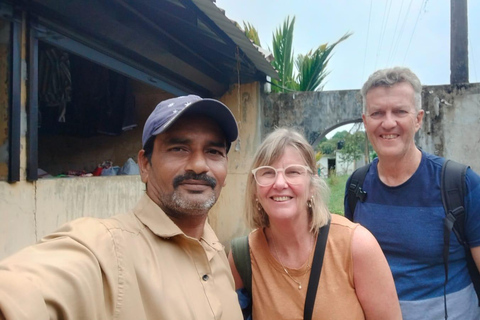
(403,204)
(161,260)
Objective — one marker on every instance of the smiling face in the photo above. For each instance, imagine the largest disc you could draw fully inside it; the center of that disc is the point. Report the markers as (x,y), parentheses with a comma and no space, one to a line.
(282,200)
(188,167)
(391,120)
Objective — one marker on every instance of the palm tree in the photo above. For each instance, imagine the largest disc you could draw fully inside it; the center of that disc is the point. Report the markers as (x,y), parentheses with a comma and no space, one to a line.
(311,67)
(282,44)
(251,33)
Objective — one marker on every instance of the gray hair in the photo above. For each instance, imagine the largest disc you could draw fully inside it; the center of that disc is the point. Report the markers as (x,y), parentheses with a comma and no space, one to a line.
(389,77)
(271,149)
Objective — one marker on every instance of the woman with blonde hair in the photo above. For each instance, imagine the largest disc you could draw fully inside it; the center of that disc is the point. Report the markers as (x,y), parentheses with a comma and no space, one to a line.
(286,205)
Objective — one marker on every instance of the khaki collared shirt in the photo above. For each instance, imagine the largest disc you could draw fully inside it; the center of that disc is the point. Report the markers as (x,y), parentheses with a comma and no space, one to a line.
(134,266)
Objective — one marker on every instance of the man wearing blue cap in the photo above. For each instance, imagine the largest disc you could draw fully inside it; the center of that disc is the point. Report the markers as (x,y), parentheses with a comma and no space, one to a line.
(162,260)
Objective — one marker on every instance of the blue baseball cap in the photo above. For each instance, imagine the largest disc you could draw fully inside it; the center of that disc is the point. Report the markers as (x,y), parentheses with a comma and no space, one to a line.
(167,111)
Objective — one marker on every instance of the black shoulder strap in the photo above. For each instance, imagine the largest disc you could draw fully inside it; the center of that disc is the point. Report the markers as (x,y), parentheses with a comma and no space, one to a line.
(453,195)
(241,258)
(315,271)
(355,191)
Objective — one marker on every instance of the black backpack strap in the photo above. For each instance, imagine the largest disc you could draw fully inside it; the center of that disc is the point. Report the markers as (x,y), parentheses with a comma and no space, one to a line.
(453,195)
(355,191)
(241,258)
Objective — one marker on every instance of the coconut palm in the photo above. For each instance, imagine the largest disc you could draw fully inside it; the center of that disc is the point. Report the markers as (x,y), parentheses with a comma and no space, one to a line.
(251,33)
(311,68)
(282,45)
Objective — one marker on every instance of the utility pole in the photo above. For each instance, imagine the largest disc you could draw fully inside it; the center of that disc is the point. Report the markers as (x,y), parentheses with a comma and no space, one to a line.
(458,42)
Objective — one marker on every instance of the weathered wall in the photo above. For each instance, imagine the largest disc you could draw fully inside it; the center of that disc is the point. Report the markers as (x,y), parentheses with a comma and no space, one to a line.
(451,126)
(28,211)
(310,112)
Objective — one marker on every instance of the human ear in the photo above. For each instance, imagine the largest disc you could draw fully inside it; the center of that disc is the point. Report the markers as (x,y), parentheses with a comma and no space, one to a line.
(143,165)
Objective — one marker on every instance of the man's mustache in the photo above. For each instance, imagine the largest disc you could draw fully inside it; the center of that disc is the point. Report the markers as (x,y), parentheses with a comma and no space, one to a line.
(193,176)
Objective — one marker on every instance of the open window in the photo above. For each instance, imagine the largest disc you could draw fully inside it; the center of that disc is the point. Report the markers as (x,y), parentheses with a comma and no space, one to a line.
(87,109)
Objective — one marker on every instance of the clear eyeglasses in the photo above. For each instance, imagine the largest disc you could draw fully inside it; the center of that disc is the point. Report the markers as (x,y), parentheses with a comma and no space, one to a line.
(294,174)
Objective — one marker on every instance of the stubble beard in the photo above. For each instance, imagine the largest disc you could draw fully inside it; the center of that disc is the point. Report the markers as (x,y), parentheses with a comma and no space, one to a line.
(178,206)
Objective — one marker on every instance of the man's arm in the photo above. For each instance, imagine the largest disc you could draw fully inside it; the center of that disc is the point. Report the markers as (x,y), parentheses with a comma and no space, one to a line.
(476,255)
(59,278)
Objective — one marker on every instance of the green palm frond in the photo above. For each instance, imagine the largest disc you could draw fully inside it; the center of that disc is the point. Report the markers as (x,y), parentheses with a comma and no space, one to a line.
(312,68)
(251,33)
(283,55)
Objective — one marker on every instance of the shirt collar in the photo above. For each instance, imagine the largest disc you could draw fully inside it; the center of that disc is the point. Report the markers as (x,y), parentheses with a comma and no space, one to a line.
(152,216)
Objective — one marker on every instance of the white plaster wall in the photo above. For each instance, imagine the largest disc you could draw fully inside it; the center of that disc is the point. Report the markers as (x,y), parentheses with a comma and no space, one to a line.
(461,126)
(29,211)
(17,219)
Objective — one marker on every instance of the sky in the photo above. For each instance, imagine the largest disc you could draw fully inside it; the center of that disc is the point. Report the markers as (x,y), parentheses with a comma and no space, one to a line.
(386,33)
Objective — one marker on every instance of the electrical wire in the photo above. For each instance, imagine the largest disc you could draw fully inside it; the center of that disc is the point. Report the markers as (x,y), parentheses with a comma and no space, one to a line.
(395,31)
(366,43)
(402,28)
(422,9)
(383,28)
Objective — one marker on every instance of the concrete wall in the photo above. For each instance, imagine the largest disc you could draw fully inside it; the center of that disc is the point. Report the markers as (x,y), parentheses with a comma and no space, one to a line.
(310,112)
(451,126)
(30,210)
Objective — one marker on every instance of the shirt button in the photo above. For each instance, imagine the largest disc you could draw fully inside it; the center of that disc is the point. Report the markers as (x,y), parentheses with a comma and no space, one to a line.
(205,277)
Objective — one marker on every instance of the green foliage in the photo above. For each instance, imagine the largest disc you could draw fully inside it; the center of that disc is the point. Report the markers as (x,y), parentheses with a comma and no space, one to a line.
(312,67)
(282,45)
(340,135)
(353,147)
(337,193)
(328,147)
(251,33)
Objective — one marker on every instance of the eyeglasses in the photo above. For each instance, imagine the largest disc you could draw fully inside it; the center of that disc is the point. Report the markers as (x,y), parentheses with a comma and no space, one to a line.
(294,174)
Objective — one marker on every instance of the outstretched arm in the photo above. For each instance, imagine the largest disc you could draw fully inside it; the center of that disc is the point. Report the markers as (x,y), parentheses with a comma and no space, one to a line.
(373,279)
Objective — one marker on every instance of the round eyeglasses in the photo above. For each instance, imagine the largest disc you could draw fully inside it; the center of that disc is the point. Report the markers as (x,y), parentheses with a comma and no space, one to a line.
(294,174)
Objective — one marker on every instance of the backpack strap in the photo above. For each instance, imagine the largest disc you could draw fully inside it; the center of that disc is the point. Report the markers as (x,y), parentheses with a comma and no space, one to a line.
(453,195)
(355,191)
(241,258)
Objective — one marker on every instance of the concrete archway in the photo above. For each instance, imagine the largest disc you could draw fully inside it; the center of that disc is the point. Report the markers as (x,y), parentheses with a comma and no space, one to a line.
(335,126)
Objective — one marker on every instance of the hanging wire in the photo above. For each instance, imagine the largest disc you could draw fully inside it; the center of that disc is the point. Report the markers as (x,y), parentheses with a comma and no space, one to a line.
(366,43)
(395,32)
(386,14)
(422,9)
(402,28)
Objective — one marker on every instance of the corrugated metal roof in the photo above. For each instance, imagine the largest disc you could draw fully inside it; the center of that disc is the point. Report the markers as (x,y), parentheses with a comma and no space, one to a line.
(218,17)
(187,44)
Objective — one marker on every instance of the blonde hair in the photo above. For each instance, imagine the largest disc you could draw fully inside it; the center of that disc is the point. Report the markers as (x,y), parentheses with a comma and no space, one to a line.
(271,149)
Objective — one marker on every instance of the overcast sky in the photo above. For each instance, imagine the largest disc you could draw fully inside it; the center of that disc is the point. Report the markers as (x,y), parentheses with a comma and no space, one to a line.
(412,33)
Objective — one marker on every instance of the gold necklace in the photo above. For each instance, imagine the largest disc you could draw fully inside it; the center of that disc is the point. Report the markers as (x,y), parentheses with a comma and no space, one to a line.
(285,269)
